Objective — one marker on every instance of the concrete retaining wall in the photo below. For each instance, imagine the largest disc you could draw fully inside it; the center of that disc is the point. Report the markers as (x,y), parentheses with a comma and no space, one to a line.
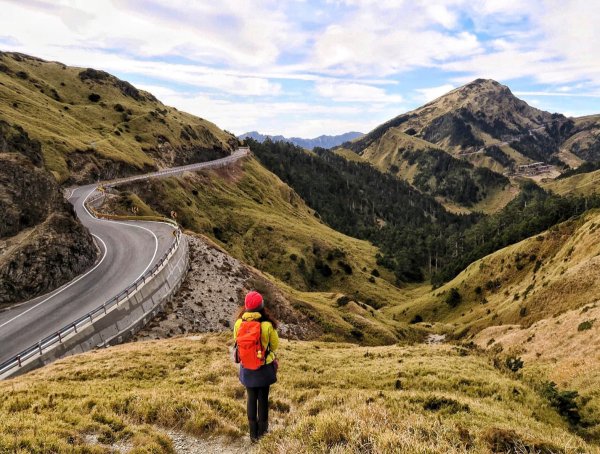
(124,320)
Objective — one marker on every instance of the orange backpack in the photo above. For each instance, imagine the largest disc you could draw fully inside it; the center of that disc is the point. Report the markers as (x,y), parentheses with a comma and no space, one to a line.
(250,351)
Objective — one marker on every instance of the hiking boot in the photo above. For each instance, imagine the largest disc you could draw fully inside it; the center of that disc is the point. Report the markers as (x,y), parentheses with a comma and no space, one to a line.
(263,427)
(253,426)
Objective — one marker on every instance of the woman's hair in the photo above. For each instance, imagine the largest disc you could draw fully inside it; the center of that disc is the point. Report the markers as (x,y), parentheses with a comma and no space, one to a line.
(266,315)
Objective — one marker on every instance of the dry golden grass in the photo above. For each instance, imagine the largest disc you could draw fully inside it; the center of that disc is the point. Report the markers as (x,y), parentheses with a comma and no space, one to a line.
(564,349)
(537,278)
(329,398)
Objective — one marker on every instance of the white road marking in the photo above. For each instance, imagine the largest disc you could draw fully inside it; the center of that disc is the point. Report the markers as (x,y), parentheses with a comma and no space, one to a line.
(73,191)
(129,225)
(64,288)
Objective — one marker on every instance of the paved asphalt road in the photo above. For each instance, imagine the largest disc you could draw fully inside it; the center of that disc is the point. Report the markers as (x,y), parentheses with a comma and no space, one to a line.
(128,250)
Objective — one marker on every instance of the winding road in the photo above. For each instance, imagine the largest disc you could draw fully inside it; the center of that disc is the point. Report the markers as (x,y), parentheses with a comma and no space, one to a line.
(127,250)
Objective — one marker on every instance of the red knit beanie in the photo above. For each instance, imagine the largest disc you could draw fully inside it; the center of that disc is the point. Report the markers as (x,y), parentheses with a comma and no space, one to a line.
(254,301)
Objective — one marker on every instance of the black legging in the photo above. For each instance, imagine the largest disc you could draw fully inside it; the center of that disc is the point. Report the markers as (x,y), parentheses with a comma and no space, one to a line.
(258,397)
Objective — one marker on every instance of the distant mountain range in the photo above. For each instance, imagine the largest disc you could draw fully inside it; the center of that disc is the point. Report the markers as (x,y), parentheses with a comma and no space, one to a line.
(321,141)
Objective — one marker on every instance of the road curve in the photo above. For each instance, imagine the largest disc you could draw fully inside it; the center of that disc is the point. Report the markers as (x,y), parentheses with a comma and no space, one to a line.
(127,250)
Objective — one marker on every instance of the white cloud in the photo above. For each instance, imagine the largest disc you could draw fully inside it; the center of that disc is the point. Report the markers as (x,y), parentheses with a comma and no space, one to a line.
(431,93)
(355,92)
(388,38)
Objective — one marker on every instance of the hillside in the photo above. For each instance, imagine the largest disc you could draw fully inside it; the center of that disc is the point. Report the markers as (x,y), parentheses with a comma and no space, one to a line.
(139,397)
(473,117)
(584,143)
(92,125)
(578,184)
(259,220)
(538,278)
(563,349)
(323,141)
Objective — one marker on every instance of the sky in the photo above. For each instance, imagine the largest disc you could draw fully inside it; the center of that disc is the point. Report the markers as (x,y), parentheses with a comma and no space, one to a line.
(305,68)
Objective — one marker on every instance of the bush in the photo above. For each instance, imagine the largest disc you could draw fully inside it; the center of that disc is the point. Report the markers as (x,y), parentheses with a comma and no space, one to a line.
(357,334)
(347,268)
(343,300)
(563,401)
(514,364)
(416,319)
(375,272)
(94,97)
(453,298)
(584,326)
(444,404)
(119,108)
(323,268)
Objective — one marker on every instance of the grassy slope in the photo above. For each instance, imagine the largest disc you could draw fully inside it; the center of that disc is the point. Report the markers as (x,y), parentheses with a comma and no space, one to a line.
(73,122)
(329,398)
(580,184)
(388,150)
(515,288)
(258,219)
(564,349)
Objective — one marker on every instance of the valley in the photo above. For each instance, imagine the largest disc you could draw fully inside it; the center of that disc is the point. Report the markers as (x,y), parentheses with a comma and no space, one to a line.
(429,225)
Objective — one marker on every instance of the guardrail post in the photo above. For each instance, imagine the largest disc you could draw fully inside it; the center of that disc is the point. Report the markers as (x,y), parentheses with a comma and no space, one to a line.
(19,360)
(59,337)
(40,347)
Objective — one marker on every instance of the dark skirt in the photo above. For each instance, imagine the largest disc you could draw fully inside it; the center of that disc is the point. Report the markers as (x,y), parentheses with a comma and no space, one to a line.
(263,376)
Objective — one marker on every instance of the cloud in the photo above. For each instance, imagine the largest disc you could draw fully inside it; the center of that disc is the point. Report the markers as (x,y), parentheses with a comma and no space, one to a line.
(302,65)
(355,92)
(301,119)
(383,38)
(431,93)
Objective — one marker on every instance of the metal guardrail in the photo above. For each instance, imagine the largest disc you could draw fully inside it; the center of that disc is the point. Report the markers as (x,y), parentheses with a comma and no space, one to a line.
(222,162)
(44,344)
(88,319)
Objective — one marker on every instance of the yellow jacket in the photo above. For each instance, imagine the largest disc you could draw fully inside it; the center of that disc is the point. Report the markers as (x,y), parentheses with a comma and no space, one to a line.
(268,334)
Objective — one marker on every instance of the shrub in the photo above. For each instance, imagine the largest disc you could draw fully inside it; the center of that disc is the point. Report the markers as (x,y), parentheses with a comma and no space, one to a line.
(453,298)
(563,401)
(584,326)
(478,290)
(416,319)
(444,404)
(523,311)
(347,268)
(343,300)
(94,97)
(514,364)
(357,334)
(375,272)
(119,108)
(323,268)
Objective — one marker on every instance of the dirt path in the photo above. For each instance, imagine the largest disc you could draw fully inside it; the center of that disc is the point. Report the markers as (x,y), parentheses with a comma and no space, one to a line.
(186,444)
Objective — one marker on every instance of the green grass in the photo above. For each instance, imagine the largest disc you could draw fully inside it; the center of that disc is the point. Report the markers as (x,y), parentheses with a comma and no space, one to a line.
(258,219)
(329,398)
(51,103)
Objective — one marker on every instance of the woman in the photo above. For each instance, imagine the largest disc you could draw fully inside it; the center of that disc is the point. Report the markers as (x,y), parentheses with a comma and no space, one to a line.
(256,340)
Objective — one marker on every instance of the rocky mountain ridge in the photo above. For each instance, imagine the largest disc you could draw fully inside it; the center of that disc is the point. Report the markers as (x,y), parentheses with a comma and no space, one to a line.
(483,122)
